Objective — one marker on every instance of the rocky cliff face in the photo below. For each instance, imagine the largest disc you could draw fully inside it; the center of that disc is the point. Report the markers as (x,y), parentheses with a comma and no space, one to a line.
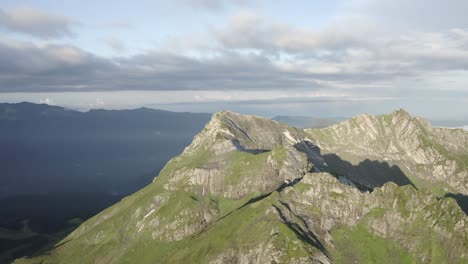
(251,190)
(430,158)
(237,156)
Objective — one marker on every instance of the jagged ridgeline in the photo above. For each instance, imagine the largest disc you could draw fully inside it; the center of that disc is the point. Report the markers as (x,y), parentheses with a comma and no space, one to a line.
(397,147)
(252,190)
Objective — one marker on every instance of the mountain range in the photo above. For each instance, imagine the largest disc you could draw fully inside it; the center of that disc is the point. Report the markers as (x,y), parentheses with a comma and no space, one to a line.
(47,148)
(372,189)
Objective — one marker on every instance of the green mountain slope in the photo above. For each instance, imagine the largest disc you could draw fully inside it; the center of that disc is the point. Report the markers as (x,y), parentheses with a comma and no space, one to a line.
(252,190)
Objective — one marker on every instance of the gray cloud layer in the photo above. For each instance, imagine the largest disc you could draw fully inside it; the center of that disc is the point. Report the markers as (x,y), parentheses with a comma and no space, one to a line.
(348,57)
(31,68)
(35,23)
(352,44)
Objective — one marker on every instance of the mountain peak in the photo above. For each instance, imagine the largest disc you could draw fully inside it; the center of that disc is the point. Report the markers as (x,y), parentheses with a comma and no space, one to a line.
(397,119)
(246,132)
(396,116)
(400,115)
(401,112)
(244,190)
(275,151)
(399,138)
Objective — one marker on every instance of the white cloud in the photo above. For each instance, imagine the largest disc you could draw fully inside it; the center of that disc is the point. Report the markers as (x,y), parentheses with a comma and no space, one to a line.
(417,14)
(47,101)
(247,30)
(35,22)
(97,103)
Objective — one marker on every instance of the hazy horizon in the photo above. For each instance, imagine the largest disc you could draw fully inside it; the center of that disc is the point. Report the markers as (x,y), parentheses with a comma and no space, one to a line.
(443,123)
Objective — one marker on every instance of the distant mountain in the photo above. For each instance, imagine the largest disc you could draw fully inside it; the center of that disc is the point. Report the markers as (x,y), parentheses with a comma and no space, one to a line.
(252,190)
(47,148)
(450,123)
(308,121)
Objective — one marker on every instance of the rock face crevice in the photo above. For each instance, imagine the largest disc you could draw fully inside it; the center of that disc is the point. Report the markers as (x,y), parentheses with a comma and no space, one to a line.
(302,233)
(300,227)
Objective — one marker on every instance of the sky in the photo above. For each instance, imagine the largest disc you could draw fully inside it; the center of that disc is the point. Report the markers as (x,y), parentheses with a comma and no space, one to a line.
(308,58)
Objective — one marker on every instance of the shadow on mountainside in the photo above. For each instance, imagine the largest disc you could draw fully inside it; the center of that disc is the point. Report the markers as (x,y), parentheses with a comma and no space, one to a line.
(34,245)
(366,174)
(461,199)
(239,147)
(32,225)
(371,173)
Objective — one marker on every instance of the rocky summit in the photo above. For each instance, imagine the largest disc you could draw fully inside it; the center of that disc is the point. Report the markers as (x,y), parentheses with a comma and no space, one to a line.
(397,147)
(372,189)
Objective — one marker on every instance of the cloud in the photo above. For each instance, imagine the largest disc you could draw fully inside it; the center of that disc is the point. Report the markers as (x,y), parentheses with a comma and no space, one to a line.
(285,100)
(248,31)
(252,53)
(29,67)
(47,101)
(349,47)
(35,22)
(97,103)
(115,44)
(421,14)
(215,5)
